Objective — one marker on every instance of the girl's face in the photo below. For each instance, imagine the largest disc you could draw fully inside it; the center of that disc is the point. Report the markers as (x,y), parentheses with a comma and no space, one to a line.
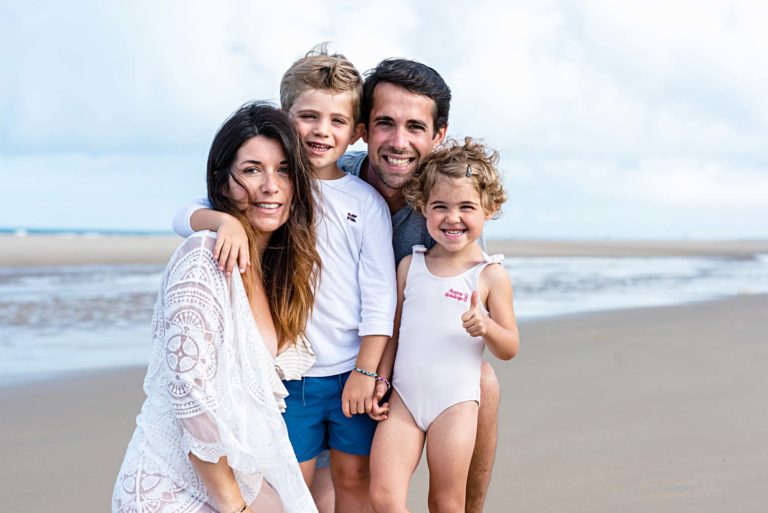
(455,216)
(260,183)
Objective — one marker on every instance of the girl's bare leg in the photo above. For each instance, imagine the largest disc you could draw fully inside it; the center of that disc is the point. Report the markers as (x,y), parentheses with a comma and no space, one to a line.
(396,452)
(450,441)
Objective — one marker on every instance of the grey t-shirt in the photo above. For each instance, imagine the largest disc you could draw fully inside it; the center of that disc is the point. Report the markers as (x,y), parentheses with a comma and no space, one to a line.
(409,228)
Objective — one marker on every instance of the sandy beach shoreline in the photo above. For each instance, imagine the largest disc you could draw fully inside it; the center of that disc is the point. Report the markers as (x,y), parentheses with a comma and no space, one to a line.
(653,409)
(47,250)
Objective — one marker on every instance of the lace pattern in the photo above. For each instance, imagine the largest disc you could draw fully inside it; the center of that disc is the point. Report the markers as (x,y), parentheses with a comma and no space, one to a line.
(212,390)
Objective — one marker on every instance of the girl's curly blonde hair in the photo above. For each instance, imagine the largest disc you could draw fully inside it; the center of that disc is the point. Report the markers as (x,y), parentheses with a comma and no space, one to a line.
(470,160)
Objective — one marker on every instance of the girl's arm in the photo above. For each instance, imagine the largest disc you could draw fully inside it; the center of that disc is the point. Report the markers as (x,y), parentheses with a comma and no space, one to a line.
(387,362)
(232,242)
(499,328)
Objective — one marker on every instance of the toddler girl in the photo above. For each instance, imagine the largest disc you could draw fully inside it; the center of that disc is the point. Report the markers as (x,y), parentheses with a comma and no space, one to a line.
(453,301)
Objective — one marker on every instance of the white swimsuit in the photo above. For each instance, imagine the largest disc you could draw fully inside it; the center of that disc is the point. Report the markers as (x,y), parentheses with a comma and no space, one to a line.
(438,362)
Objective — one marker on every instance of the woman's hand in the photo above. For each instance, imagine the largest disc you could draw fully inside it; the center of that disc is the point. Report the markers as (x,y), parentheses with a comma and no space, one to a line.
(231,245)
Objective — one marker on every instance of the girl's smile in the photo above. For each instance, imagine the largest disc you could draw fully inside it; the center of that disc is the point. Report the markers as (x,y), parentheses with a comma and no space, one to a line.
(454,213)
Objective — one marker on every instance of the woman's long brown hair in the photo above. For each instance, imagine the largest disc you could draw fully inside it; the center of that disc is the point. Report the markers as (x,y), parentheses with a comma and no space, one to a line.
(290,266)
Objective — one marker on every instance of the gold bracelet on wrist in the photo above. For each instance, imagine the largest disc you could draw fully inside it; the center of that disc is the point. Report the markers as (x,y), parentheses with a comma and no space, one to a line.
(240,508)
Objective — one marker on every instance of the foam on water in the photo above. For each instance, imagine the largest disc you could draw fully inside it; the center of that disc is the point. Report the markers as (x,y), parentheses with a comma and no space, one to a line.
(82,317)
(555,286)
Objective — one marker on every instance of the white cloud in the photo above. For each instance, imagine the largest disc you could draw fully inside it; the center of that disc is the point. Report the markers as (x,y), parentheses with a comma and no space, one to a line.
(661,104)
(705,185)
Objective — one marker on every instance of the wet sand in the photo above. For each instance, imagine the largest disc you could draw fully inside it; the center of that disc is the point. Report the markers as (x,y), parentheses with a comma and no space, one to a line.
(642,410)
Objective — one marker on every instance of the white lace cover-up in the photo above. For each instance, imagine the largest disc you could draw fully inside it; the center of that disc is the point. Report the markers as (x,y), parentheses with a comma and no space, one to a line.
(212,390)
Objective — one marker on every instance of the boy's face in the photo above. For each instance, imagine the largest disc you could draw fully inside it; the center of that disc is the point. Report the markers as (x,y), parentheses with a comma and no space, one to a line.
(326,123)
(400,134)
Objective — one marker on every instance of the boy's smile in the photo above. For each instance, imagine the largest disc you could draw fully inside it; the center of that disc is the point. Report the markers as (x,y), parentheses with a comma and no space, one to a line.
(326,124)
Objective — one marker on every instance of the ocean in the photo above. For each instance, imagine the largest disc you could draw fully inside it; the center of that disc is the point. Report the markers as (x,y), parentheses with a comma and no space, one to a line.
(63,319)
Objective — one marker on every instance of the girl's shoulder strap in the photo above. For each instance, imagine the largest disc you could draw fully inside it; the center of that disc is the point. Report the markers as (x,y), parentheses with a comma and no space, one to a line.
(418,254)
(493,259)
(418,261)
(487,260)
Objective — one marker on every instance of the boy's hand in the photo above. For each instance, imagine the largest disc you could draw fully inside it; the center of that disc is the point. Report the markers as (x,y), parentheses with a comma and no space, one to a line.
(358,394)
(474,320)
(231,246)
(379,410)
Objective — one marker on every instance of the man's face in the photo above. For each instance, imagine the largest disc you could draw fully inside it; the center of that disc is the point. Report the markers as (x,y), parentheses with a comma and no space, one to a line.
(400,134)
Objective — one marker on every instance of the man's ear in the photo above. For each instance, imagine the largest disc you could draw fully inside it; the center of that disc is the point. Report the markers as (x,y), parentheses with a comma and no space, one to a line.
(357,133)
(364,133)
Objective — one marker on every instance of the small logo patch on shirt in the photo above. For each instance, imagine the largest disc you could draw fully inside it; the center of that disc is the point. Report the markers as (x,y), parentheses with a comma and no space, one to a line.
(351,217)
(458,296)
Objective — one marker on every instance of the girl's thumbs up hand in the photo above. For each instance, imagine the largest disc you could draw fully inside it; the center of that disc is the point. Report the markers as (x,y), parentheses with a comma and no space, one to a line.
(474,320)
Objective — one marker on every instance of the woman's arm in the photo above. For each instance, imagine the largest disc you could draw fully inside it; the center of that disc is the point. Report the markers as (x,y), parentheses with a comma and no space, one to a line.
(220,482)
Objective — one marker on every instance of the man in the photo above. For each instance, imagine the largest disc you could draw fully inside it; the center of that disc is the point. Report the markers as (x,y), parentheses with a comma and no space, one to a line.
(405,110)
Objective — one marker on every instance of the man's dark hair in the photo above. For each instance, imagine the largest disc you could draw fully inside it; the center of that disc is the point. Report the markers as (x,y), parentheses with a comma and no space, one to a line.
(414,77)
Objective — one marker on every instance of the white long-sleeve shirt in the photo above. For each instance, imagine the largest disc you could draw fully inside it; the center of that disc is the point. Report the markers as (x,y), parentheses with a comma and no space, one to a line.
(356,295)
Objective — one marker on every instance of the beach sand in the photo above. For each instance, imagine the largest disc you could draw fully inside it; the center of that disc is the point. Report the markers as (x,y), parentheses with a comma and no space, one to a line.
(37,250)
(642,410)
(43,250)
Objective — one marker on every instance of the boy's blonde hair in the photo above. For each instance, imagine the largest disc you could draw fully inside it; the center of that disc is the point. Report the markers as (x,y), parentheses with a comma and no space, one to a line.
(453,159)
(319,70)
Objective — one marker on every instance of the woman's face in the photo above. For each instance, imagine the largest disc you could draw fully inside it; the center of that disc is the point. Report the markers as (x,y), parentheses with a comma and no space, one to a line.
(264,190)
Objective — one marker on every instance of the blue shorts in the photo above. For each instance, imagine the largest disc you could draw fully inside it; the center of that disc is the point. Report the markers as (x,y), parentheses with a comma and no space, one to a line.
(315,421)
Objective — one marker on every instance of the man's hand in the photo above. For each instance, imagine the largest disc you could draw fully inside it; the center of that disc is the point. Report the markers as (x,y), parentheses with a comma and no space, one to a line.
(474,320)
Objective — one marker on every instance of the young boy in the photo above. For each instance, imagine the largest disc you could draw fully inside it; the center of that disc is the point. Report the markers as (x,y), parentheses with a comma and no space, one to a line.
(355,300)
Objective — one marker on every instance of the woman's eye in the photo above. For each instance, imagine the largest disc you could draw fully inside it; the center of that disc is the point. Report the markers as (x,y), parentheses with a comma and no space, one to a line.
(284,171)
(251,170)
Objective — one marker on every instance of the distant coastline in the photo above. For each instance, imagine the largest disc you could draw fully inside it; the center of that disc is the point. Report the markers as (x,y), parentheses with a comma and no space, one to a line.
(82,232)
(47,247)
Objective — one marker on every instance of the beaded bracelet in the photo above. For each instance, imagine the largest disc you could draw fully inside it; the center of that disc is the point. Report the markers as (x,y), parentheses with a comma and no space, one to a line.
(367,373)
(240,508)
(385,380)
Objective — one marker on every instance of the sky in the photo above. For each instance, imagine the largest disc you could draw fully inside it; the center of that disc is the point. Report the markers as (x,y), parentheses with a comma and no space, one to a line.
(614,120)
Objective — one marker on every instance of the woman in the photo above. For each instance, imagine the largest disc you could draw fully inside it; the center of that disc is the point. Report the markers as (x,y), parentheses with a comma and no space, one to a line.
(210,437)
